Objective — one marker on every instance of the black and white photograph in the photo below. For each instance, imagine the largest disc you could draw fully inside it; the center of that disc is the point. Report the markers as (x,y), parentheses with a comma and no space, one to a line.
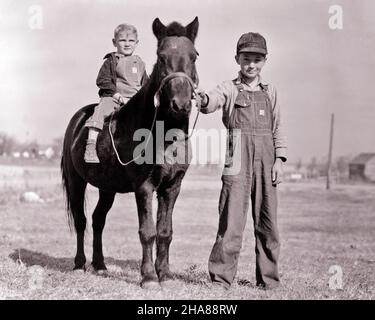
(195,152)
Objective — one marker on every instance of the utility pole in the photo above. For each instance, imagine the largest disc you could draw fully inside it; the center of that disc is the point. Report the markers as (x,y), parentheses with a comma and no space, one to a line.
(330,152)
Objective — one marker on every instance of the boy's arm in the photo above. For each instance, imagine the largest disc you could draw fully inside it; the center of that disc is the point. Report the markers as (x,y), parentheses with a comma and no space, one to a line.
(218,98)
(279,136)
(105,80)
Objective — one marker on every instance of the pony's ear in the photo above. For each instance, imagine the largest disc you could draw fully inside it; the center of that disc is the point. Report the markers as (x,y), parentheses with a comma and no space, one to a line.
(159,29)
(192,29)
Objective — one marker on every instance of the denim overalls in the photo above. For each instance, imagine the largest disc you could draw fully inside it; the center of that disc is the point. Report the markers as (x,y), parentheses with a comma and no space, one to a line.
(252,151)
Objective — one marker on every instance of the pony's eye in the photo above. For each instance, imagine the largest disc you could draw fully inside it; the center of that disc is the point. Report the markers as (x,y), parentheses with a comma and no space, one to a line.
(193,57)
(162,59)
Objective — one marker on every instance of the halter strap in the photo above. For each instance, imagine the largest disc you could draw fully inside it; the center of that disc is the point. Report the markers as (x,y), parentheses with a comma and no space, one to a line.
(169,77)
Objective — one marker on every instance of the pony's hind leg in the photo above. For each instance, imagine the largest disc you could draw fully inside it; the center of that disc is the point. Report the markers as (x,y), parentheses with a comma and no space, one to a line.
(77,204)
(98,221)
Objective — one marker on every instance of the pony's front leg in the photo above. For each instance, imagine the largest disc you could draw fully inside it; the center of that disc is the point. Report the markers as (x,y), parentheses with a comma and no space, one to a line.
(166,201)
(98,221)
(147,234)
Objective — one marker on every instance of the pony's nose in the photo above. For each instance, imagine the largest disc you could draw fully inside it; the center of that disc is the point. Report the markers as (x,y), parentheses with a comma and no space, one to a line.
(177,105)
(174,105)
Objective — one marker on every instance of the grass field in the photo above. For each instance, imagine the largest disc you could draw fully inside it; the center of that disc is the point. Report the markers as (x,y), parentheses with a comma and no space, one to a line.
(322,233)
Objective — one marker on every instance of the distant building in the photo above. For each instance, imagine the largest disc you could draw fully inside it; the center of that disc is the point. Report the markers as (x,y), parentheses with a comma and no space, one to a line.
(26,154)
(48,153)
(294,173)
(362,167)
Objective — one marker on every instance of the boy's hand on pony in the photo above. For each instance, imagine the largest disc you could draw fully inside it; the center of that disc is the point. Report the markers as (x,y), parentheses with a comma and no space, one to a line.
(119,98)
(203,97)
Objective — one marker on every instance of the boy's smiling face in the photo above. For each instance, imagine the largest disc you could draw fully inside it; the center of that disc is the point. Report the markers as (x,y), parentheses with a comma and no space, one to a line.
(125,42)
(251,64)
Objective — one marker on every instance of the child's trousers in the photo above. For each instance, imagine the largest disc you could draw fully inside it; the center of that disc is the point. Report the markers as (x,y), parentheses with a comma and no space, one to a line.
(105,107)
(253,154)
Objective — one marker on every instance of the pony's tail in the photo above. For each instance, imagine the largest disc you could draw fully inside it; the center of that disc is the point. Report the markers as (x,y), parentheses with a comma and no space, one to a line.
(65,158)
(69,179)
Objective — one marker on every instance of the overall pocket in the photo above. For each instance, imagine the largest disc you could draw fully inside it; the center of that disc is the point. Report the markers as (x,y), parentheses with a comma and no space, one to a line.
(262,115)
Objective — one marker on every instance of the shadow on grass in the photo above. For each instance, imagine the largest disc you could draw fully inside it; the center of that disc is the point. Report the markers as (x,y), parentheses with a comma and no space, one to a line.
(130,268)
(30,258)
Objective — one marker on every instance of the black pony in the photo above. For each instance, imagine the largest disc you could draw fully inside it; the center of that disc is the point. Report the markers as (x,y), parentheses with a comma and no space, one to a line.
(164,101)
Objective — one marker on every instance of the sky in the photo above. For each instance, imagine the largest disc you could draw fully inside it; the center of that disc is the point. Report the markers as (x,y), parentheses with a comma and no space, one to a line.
(51,51)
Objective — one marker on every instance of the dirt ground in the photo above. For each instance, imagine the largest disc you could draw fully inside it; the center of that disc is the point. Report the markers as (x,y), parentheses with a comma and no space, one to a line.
(327,238)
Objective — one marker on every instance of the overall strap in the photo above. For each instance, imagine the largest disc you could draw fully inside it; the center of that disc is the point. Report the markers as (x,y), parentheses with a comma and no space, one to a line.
(265,88)
(238,85)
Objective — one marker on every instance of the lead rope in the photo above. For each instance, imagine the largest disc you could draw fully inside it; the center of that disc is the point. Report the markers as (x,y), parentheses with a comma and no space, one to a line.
(198,104)
(148,139)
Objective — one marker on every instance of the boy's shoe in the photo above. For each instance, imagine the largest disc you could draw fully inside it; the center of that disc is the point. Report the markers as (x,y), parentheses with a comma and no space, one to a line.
(90,153)
(245,283)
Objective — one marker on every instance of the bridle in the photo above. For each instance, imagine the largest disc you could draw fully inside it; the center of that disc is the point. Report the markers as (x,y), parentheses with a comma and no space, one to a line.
(195,97)
(168,78)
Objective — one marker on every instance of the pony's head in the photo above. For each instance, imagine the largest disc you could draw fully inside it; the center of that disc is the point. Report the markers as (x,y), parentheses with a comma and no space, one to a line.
(176,66)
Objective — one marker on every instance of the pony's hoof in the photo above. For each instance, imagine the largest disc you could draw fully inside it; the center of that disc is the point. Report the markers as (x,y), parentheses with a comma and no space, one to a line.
(167,280)
(78,268)
(150,283)
(79,273)
(103,273)
(99,266)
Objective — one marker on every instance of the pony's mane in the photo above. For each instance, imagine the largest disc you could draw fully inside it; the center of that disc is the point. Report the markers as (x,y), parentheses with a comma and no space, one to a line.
(175,29)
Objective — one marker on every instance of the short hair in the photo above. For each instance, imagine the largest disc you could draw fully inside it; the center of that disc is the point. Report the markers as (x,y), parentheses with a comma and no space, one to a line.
(125,27)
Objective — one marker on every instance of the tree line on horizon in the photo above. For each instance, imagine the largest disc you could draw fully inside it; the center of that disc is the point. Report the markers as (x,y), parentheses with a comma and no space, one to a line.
(314,168)
(10,145)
